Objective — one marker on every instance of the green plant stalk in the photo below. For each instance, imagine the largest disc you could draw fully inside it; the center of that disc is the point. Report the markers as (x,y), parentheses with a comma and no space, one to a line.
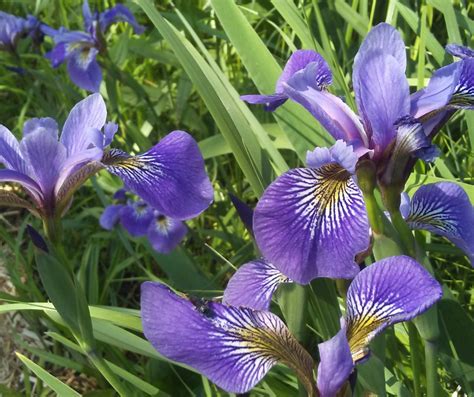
(415,359)
(430,343)
(373,212)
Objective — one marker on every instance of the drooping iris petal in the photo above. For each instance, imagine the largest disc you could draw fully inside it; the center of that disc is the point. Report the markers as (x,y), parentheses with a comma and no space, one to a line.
(459,51)
(335,364)
(340,153)
(333,114)
(298,61)
(10,154)
(165,233)
(170,176)
(111,216)
(46,157)
(233,347)
(136,218)
(444,208)
(119,13)
(86,116)
(253,285)
(312,222)
(84,71)
(389,291)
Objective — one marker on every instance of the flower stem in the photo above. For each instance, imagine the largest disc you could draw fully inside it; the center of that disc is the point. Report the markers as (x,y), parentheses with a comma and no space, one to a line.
(431,358)
(373,212)
(415,358)
(105,370)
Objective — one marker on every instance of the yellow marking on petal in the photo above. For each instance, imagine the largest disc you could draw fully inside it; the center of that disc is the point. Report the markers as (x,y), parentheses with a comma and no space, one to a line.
(359,333)
(332,184)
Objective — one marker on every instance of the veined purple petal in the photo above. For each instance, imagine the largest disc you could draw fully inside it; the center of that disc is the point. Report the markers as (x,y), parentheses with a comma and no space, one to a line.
(119,13)
(340,153)
(233,347)
(84,71)
(110,129)
(317,76)
(46,157)
(45,125)
(24,180)
(111,216)
(10,154)
(389,291)
(382,96)
(136,218)
(335,364)
(312,223)
(444,208)
(170,176)
(459,51)
(165,233)
(78,131)
(253,285)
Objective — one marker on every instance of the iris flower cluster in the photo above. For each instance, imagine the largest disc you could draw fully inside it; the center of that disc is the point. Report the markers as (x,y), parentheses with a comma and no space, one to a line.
(78,49)
(140,219)
(50,167)
(313,222)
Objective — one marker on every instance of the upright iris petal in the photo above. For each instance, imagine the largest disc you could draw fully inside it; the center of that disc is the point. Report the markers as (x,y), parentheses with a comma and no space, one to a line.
(119,13)
(444,208)
(312,222)
(253,285)
(170,176)
(233,347)
(389,291)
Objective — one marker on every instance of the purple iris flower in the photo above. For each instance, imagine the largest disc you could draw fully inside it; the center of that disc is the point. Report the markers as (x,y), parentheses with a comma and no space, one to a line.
(80,48)
(236,344)
(12,28)
(139,219)
(170,176)
(312,222)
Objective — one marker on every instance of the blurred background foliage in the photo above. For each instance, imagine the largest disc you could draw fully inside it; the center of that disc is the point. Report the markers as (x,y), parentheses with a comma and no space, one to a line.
(187,74)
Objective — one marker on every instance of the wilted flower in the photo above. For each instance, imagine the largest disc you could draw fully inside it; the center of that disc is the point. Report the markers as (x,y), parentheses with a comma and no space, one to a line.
(235,346)
(80,48)
(139,219)
(170,176)
(12,28)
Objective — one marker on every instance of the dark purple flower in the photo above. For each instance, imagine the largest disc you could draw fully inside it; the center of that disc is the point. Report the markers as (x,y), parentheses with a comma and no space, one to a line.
(233,347)
(382,97)
(50,168)
(444,208)
(389,291)
(139,219)
(80,48)
(312,222)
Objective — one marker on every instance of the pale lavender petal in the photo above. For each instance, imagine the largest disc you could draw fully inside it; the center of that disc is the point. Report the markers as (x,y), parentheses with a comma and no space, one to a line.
(404,204)
(333,114)
(271,102)
(389,291)
(79,129)
(459,51)
(170,176)
(119,13)
(312,223)
(233,347)
(11,28)
(111,216)
(253,285)
(340,153)
(87,15)
(136,218)
(44,125)
(335,364)
(110,129)
(382,96)
(10,154)
(444,208)
(87,75)
(46,157)
(165,233)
